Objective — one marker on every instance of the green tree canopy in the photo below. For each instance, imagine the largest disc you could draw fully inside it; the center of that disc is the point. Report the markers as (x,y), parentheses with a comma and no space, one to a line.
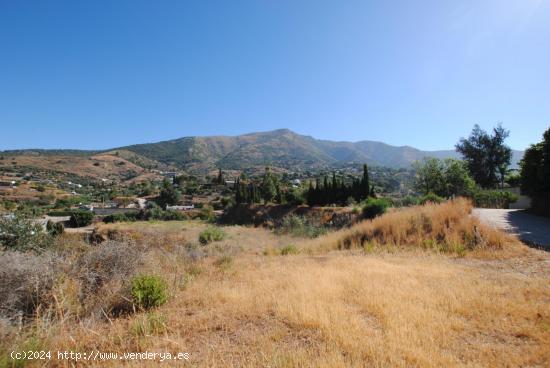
(444,178)
(168,195)
(269,188)
(487,156)
(535,174)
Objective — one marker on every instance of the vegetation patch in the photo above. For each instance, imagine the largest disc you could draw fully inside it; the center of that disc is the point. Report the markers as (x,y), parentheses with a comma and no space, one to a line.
(289,250)
(446,227)
(81,218)
(299,226)
(149,324)
(211,234)
(19,233)
(374,207)
(148,291)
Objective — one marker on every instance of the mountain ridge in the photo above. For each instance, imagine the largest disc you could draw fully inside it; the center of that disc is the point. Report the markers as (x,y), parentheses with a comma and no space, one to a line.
(281,148)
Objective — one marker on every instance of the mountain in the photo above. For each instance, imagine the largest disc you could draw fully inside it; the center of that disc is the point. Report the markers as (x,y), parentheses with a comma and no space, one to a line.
(279,148)
(282,148)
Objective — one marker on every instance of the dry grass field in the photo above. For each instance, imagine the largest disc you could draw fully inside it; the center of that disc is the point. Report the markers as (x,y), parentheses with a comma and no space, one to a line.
(364,296)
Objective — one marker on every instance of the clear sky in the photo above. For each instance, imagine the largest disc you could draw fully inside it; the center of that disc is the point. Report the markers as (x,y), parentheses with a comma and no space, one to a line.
(101,74)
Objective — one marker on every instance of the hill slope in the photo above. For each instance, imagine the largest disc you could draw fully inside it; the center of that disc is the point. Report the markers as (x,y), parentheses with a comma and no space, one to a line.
(279,148)
(282,148)
(120,165)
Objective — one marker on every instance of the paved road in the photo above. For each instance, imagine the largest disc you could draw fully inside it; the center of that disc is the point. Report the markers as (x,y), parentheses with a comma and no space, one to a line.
(531,229)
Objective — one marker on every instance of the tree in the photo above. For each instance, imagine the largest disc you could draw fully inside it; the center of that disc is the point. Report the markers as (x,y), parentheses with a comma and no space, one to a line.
(220,180)
(338,190)
(457,179)
(535,175)
(269,186)
(501,154)
(238,192)
(168,195)
(487,157)
(365,185)
(443,178)
(429,176)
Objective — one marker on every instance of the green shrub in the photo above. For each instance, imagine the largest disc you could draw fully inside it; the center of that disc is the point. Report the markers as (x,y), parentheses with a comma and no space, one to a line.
(19,233)
(121,217)
(289,249)
(295,197)
(171,215)
(493,198)
(81,218)
(210,235)
(431,198)
(55,228)
(148,291)
(60,213)
(298,226)
(207,213)
(375,207)
(410,201)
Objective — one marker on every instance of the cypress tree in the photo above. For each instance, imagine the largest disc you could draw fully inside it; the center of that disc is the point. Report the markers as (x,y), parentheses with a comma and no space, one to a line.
(310,194)
(220,177)
(365,185)
(238,193)
(325,197)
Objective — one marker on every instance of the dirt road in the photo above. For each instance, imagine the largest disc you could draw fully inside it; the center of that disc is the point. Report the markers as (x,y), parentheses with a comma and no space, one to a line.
(531,229)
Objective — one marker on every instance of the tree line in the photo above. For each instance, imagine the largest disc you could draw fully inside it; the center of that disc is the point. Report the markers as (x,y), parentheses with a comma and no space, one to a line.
(269,190)
(337,191)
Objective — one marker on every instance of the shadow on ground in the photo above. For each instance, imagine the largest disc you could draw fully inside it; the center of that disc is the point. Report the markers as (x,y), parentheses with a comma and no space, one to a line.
(531,229)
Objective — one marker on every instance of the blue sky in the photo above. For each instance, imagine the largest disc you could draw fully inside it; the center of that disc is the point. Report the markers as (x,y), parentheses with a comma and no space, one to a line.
(100,74)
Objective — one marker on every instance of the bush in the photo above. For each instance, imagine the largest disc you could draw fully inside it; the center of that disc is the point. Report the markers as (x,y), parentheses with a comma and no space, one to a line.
(55,228)
(153,213)
(172,215)
(375,207)
(121,217)
(294,197)
(60,213)
(26,281)
(207,213)
(148,291)
(298,226)
(493,199)
(81,218)
(22,234)
(210,235)
(431,198)
(103,272)
(289,249)
(409,201)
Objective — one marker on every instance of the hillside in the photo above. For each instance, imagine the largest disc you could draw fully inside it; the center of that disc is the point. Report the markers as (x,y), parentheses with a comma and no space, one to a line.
(283,148)
(279,148)
(116,165)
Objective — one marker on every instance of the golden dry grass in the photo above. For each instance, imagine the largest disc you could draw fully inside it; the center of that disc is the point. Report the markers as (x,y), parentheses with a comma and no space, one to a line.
(410,307)
(342,311)
(447,227)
